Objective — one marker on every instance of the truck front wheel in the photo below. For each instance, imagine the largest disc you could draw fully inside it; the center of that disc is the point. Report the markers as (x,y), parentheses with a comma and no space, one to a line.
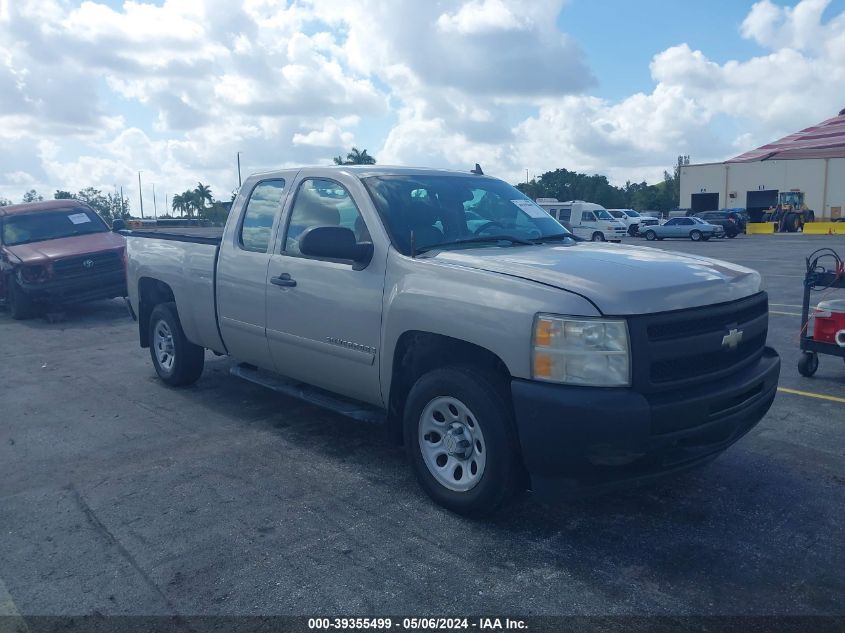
(20,304)
(461,440)
(177,361)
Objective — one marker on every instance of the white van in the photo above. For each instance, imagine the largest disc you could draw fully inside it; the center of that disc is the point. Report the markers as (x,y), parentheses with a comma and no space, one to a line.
(585,219)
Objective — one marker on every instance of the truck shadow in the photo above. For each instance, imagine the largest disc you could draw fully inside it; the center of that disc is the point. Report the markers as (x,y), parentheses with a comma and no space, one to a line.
(79,316)
(726,537)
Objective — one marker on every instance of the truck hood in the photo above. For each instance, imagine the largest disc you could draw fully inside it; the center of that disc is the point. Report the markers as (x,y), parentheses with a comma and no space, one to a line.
(49,250)
(618,279)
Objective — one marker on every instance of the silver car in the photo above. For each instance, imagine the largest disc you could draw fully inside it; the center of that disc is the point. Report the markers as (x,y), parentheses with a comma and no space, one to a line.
(692,228)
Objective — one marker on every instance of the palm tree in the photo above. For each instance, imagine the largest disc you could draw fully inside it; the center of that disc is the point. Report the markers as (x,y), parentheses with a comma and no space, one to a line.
(178,203)
(203,193)
(355,157)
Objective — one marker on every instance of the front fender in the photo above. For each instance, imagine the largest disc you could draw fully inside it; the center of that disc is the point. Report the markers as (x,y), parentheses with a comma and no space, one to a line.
(491,310)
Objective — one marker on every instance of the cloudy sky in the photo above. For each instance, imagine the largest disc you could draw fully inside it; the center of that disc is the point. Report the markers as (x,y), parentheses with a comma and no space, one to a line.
(92,92)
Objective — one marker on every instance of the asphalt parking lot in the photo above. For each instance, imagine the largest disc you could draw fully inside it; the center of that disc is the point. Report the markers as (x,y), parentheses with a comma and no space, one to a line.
(119,495)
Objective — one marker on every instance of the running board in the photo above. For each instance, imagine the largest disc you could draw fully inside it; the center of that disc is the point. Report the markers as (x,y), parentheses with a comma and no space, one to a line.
(313,395)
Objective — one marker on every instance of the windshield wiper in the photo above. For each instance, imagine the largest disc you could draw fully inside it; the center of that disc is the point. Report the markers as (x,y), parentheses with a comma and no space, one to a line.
(477,240)
(557,237)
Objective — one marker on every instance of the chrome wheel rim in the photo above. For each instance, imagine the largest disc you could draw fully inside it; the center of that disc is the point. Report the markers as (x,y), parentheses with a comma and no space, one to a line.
(163,345)
(452,444)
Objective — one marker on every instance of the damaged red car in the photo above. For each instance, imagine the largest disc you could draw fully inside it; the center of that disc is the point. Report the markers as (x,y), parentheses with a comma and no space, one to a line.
(57,253)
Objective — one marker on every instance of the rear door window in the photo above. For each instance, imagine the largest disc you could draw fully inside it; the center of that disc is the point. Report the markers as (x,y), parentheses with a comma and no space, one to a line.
(261,211)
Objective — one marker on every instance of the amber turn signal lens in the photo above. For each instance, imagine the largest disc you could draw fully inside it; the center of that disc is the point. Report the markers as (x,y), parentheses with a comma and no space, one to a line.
(542,365)
(543,333)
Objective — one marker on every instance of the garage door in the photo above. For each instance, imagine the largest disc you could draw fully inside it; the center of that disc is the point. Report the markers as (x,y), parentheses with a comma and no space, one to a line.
(758,201)
(705,202)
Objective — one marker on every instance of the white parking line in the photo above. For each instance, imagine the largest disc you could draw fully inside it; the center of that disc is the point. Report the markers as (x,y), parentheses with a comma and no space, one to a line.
(10,620)
(798,314)
(7,605)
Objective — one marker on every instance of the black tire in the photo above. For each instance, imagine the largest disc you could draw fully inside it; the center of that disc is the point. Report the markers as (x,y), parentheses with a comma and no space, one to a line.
(21,306)
(632,231)
(598,236)
(187,359)
(695,235)
(481,393)
(732,235)
(809,364)
(650,236)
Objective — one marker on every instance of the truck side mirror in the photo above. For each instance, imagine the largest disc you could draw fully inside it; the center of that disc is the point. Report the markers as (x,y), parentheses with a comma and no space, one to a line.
(335,242)
(118,225)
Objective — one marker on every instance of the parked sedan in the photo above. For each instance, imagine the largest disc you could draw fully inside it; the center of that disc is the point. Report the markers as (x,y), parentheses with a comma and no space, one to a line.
(692,228)
(729,220)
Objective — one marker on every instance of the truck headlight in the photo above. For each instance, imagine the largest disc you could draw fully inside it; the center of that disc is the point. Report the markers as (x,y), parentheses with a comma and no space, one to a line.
(592,352)
(33,274)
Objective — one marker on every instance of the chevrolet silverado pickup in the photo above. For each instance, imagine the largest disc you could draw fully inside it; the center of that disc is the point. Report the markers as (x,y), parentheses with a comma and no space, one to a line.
(505,353)
(57,252)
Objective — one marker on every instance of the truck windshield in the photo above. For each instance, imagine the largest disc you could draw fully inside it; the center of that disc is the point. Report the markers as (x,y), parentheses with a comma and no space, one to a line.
(51,225)
(441,210)
(632,214)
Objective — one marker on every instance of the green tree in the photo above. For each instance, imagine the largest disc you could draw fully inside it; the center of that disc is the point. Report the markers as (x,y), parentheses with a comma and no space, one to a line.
(683,161)
(189,202)
(203,195)
(4,202)
(62,195)
(95,199)
(569,185)
(118,207)
(32,196)
(217,212)
(355,157)
(178,204)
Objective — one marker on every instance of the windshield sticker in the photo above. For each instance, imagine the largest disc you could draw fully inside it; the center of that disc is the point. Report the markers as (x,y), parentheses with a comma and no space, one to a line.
(79,218)
(531,208)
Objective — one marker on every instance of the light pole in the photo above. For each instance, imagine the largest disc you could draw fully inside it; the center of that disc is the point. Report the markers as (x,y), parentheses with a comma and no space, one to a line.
(239,170)
(155,208)
(141,195)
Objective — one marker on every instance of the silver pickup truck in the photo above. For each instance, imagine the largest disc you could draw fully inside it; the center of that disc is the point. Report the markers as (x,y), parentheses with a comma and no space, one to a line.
(505,353)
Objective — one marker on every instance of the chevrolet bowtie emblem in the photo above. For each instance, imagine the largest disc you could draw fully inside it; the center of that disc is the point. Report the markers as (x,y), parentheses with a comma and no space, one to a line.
(731,339)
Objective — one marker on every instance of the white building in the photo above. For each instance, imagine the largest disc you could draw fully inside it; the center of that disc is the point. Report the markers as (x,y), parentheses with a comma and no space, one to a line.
(812,161)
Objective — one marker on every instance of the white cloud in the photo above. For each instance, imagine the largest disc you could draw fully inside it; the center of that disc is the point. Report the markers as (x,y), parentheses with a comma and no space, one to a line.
(697,106)
(482,16)
(90,94)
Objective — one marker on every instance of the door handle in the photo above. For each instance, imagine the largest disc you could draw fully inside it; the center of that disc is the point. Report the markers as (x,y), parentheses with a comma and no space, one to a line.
(283,280)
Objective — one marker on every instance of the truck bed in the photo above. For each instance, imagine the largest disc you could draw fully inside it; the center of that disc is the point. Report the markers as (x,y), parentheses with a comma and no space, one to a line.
(184,259)
(198,235)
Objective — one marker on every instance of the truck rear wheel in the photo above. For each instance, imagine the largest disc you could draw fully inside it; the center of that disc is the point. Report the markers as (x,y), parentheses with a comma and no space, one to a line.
(177,361)
(461,440)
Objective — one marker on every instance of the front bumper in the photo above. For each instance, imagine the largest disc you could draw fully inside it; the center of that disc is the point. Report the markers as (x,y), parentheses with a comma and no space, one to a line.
(78,290)
(591,439)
